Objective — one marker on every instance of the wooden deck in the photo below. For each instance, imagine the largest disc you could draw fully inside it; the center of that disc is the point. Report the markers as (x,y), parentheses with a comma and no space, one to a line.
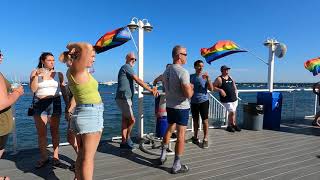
(291,153)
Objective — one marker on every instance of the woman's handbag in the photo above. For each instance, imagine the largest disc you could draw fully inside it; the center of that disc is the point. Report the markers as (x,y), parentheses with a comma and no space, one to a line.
(30,109)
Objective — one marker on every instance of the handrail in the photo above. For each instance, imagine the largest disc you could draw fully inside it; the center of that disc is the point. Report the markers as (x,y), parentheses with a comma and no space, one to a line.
(276,90)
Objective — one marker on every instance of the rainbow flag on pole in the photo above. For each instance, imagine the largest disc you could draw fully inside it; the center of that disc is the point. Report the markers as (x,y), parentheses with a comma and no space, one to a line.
(112,39)
(313,65)
(219,50)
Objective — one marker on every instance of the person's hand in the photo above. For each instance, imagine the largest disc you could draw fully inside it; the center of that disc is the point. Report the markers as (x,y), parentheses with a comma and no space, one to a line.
(205,76)
(42,72)
(222,93)
(155,92)
(68,115)
(192,86)
(19,90)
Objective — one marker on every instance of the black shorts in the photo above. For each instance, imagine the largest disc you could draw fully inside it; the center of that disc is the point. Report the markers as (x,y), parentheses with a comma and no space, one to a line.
(47,106)
(202,108)
(178,116)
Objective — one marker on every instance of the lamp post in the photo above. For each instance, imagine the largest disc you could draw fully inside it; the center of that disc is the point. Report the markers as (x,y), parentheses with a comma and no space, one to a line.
(142,25)
(272,44)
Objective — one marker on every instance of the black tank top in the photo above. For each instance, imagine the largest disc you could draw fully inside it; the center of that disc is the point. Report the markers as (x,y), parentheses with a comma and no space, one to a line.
(227,86)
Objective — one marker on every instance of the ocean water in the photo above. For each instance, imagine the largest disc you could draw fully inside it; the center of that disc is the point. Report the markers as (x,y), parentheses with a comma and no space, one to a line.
(295,105)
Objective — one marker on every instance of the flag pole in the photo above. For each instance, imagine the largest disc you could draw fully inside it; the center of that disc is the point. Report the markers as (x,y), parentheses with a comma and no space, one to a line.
(134,43)
(254,55)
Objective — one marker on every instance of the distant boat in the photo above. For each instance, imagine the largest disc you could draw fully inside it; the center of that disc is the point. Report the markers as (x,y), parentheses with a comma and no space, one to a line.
(109,83)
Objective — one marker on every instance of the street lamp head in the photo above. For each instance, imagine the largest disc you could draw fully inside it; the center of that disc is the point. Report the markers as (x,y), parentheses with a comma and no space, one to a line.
(147,27)
(132,26)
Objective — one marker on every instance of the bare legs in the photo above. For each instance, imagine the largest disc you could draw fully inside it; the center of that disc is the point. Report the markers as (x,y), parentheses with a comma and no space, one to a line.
(41,122)
(126,128)
(87,144)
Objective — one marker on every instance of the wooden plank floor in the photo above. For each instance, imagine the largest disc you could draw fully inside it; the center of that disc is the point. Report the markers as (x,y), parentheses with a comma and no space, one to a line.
(291,153)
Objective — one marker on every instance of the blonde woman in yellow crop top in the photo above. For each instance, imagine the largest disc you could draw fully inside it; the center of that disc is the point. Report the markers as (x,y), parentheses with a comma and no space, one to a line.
(7,100)
(87,119)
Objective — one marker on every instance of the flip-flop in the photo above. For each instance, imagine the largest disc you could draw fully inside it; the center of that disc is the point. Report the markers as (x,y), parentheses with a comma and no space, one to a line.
(41,163)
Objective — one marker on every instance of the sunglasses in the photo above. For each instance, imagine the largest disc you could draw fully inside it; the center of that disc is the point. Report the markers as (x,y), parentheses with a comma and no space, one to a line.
(133,59)
(185,54)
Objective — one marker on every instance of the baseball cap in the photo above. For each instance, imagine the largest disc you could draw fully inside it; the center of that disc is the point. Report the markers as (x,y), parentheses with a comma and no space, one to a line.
(224,67)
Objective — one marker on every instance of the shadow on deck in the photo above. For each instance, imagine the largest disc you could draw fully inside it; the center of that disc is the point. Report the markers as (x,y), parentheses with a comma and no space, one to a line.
(291,153)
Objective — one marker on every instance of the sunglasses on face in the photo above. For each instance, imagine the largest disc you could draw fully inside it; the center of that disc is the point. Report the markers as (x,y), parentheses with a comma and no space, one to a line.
(133,59)
(185,54)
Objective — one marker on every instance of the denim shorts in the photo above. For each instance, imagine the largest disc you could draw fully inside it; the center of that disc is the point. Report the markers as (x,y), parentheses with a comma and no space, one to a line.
(87,118)
(47,106)
(178,116)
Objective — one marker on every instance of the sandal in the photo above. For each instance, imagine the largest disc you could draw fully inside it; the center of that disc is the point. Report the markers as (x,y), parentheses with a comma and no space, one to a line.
(72,167)
(41,163)
(4,178)
(56,162)
(315,123)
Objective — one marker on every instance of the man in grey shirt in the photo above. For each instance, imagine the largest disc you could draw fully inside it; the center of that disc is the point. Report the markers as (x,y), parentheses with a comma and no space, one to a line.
(176,82)
(124,96)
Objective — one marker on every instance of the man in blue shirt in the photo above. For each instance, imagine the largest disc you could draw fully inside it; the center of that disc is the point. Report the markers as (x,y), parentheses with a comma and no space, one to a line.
(124,96)
(200,102)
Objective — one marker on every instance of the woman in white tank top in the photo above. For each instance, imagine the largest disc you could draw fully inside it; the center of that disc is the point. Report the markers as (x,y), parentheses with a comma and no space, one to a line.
(47,85)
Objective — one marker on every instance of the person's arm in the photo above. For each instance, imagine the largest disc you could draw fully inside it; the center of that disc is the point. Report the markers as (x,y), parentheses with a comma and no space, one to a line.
(156,80)
(81,52)
(144,85)
(63,88)
(209,83)
(186,86)
(235,87)
(187,90)
(34,78)
(8,99)
(216,86)
(72,104)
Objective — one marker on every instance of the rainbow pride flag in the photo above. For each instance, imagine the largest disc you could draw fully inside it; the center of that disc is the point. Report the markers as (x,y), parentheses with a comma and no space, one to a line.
(112,39)
(313,65)
(219,50)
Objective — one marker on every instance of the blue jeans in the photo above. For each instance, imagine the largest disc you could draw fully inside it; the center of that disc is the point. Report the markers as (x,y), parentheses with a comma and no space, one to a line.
(87,118)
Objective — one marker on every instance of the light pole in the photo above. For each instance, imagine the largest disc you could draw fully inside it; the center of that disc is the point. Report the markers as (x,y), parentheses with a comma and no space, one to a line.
(272,44)
(142,25)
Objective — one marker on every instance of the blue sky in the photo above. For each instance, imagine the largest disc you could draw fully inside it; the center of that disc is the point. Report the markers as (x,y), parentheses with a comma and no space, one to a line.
(31,27)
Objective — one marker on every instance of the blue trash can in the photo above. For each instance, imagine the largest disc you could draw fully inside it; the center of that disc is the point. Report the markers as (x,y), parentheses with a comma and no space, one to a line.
(161,116)
(272,103)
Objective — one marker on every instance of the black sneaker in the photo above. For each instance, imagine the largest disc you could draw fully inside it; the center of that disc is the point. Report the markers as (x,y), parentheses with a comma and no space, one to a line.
(125,146)
(235,127)
(183,169)
(230,129)
(193,140)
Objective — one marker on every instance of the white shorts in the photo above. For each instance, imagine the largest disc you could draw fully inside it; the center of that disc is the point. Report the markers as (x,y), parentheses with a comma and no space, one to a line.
(231,106)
